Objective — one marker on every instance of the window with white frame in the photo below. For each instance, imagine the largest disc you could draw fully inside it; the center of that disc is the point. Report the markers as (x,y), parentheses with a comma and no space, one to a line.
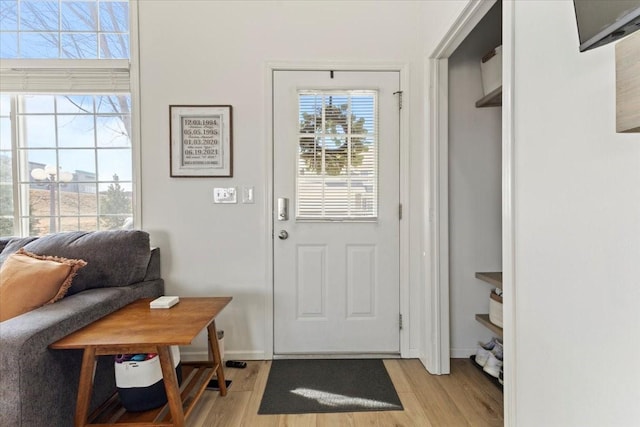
(65,116)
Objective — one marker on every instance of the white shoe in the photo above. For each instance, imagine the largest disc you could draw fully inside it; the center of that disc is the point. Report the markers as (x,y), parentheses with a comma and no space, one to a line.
(498,350)
(493,365)
(482,355)
(485,350)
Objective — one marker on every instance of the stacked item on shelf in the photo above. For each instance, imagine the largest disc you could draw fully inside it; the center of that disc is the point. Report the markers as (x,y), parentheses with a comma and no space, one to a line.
(491,70)
(495,307)
(489,357)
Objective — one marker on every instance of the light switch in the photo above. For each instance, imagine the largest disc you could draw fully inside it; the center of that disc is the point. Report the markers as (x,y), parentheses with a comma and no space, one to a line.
(247,194)
(225,195)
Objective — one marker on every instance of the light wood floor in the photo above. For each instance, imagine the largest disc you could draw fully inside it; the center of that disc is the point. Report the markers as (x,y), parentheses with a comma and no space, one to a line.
(464,398)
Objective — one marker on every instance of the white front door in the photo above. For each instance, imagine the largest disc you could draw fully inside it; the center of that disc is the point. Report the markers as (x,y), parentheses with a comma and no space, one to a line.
(336,249)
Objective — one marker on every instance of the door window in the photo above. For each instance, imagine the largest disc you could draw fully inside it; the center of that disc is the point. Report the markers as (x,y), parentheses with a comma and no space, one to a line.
(337,162)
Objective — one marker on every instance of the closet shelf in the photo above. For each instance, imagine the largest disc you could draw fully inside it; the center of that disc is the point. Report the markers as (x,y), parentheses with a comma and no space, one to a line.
(494,278)
(492,99)
(484,320)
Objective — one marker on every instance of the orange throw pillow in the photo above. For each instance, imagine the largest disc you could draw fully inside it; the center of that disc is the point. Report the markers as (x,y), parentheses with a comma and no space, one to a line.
(29,281)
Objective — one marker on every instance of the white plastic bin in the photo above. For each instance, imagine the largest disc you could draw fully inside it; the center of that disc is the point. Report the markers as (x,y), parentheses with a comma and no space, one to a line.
(140,383)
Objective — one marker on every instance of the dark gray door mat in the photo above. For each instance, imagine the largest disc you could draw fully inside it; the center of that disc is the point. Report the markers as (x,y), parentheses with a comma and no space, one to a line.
(328,385)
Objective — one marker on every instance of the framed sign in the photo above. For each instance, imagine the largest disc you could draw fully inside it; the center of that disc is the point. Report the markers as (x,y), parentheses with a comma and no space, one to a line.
(201,140)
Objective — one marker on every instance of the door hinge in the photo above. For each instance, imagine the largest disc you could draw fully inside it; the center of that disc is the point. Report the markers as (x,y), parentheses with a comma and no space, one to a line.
(400,317)
(399,93)
(400,211)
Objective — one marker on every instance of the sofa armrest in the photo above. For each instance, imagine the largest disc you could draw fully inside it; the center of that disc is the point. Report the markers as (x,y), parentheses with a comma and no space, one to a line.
(153,268)
(55,321)
(33,377)
(30,371)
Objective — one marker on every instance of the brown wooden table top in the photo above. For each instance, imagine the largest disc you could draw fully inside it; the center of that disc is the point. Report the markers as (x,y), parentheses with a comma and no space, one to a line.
(136,323)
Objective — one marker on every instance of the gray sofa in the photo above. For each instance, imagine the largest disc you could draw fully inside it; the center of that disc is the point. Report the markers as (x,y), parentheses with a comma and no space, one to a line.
(38,386)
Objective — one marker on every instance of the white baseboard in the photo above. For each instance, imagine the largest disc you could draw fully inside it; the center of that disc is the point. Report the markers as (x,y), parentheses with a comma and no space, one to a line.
(196,355)
(462,353)
(413,353)
(191,356)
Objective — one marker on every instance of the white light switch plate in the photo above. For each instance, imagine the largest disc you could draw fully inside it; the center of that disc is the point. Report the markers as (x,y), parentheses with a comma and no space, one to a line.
(225,195)
(247,194)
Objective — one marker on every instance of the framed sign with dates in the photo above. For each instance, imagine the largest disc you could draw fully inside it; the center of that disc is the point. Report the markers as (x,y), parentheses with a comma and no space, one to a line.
(201,140)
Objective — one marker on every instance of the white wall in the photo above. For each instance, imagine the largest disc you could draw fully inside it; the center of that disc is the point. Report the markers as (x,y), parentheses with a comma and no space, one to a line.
(215,52)
(475,196)
(577,230)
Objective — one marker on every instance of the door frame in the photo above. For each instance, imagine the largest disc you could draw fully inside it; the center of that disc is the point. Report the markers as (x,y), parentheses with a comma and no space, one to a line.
(437,328)
(437,352)
(403,70)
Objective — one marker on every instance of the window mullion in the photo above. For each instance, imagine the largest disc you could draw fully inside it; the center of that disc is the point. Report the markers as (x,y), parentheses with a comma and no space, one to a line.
(17,206)
(323,172)
(97,180)
(59,31)
(22,164)
(56,184)
(348,141)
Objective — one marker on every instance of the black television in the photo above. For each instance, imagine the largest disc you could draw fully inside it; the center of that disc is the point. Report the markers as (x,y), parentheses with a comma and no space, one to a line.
(604,21)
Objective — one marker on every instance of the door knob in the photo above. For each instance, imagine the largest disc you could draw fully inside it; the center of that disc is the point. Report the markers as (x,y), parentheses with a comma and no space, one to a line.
(283,235)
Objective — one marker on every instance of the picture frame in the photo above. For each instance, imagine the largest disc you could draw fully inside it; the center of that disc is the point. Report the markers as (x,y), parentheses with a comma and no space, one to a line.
(201,141)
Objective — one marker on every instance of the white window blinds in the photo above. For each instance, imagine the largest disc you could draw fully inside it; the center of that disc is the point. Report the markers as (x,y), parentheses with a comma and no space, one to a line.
(337,174)
(65,76)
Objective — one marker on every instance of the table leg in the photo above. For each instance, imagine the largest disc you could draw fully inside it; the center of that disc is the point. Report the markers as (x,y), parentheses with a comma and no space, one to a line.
(215,352)
(171,385)
(85,386)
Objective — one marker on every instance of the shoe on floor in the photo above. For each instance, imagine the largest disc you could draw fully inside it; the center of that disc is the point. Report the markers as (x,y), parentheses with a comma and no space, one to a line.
(485,350)
(493,365)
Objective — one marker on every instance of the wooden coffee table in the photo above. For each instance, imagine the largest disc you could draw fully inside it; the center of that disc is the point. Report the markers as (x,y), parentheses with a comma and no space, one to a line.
(136,328)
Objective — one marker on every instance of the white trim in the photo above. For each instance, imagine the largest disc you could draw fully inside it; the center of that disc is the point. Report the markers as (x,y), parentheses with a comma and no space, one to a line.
(268,214)
(68,64)
(336,66)
(338,356)
(509,178)
(405,222)
(403,69)
(441,309)
(194,356)
(473,12)
(413,353)
(136,138)
(462,353)
(437,296)
(437,352)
